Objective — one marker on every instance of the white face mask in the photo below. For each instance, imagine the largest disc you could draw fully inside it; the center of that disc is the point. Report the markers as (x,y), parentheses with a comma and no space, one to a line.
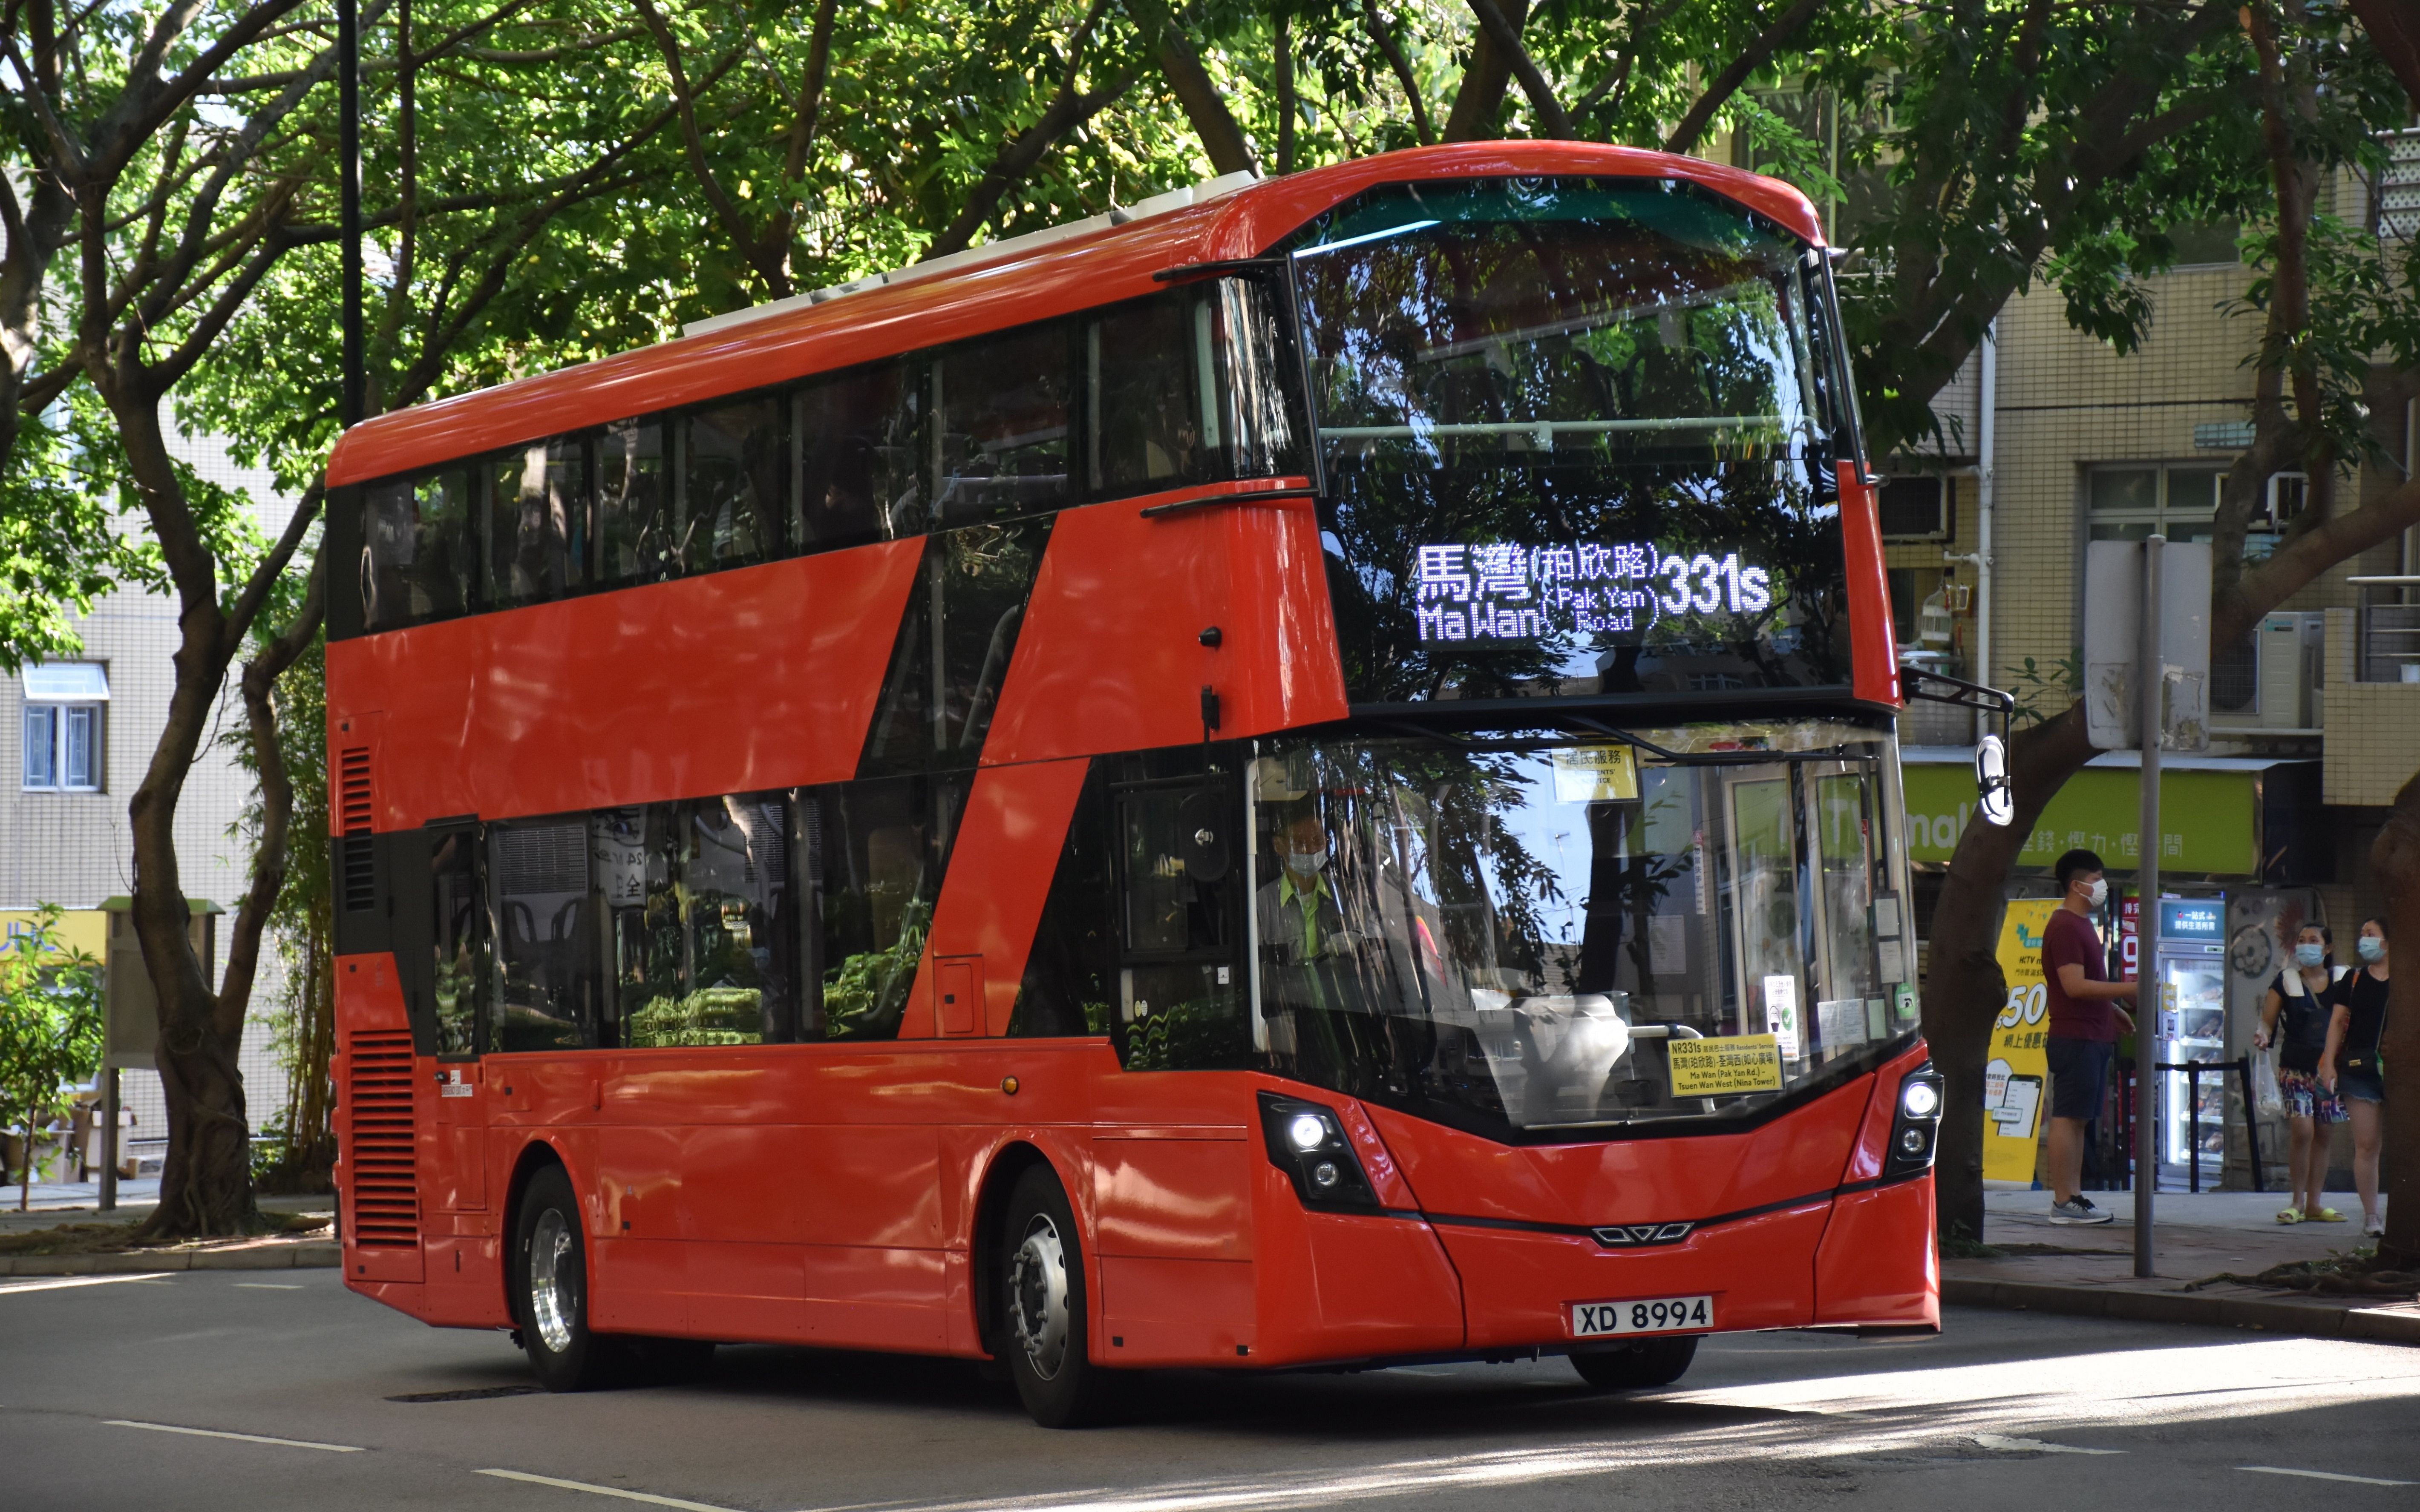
(1306,863)
(2100,893)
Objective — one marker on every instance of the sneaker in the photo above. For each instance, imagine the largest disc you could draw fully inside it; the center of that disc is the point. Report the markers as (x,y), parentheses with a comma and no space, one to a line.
(2323,1215)
(2374,1226)
(2076,1210)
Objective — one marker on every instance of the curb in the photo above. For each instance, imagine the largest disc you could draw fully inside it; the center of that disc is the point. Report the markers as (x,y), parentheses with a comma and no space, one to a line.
(286,1257)
(2380,1324)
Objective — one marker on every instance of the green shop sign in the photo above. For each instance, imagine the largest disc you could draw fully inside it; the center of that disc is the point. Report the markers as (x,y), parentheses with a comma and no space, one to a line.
(2209,821)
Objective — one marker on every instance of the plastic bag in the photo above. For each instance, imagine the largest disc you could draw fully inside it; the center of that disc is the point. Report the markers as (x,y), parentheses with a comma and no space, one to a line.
(2265,1095)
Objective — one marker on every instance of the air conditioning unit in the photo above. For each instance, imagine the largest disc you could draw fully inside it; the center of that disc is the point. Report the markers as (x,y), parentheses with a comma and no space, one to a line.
(2273,682)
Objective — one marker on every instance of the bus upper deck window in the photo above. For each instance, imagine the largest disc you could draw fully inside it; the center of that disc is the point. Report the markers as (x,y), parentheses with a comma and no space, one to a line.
(858,481)
(1001,408)
(634,533)
(417,560)
(1154,418)
(735,494)
(537,523)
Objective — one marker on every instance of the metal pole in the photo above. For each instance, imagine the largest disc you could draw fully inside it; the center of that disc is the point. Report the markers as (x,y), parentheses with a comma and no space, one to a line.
(109,1140)
(348,113)
(2148,680)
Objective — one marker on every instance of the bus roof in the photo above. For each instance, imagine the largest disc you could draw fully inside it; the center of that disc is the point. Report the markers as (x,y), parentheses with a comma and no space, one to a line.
(1060,276)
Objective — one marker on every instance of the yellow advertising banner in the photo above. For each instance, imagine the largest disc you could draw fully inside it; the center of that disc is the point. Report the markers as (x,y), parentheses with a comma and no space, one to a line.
(2016,1078)
(1718,1068)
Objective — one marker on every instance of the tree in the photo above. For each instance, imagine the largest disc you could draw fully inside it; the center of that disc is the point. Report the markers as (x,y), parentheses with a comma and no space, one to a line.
(2328,301)
(50,1029)
(195,152)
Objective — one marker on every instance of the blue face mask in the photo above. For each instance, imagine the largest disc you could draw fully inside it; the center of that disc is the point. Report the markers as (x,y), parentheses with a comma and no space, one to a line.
(2310,955)
(2372,949)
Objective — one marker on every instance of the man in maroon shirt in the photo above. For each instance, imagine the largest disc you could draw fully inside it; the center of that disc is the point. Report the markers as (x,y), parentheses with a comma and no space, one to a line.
(2084,1027)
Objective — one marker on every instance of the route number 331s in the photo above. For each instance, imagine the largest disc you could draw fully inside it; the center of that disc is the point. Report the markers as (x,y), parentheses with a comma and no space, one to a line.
(1706,584)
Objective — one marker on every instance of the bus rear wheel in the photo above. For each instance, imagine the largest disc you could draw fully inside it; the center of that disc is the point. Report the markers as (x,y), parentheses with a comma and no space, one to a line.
(1647,1363)
(550,1279)
(1044,1333)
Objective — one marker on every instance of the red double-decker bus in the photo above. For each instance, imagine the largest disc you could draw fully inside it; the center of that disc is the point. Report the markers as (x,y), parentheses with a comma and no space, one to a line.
(1304,780)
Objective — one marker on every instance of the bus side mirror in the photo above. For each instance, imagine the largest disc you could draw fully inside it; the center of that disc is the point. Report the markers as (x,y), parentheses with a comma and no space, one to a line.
(1994,798)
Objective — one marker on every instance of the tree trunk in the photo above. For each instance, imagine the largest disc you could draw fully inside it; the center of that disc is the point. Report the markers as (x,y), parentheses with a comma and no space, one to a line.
(1963,986)
(2396,859)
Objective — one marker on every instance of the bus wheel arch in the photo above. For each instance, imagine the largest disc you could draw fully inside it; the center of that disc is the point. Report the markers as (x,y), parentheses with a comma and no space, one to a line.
(1008,1165)
(535,1156)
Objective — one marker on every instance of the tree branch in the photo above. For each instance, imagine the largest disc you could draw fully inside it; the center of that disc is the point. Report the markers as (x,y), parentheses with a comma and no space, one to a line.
(1759,51)
(1507,36)
(1480,98)
(1384,36)
(1205,104)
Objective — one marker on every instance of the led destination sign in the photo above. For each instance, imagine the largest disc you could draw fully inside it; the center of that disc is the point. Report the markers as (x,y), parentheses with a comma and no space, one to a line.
(1503,590)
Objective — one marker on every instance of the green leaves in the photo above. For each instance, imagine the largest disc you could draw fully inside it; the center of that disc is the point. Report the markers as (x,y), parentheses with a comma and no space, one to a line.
(50,1022)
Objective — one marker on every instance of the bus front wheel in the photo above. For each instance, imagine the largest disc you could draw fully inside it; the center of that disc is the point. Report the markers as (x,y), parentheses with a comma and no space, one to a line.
(1044,1333)
(1647,1363)
(550,1290)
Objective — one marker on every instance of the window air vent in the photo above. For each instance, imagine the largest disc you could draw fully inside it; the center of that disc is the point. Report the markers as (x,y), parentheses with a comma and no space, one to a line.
(357,859)
(379,1181)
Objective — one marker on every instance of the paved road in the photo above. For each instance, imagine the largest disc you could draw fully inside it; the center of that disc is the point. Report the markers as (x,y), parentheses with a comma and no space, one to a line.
(2005,1411)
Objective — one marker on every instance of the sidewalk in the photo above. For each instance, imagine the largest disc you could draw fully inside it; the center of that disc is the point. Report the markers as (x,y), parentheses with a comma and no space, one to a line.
(64,1203)
(2090,1271)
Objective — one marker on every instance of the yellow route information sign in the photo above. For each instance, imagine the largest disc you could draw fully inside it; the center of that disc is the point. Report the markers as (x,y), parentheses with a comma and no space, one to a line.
(1717,1068)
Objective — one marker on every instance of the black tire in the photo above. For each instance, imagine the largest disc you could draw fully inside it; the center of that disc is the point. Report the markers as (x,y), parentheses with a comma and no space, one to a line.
(1044,1335)
(551,1291)
(1632,1366)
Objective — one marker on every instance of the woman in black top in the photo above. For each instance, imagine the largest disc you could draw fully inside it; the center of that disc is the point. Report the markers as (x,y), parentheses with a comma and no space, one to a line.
(2294,1017)
(2349,1063)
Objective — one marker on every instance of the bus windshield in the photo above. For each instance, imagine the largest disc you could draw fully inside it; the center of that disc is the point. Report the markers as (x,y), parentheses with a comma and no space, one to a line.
(1544,932)
(1577,438)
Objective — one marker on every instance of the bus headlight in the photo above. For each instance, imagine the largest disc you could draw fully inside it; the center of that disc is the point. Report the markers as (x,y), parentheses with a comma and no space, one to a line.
(1307,1141)
(1918,1126)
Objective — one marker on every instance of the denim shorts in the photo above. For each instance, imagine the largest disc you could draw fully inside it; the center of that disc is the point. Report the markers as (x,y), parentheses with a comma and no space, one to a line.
(2079,1076)
(2362,1083)
(2306,1099)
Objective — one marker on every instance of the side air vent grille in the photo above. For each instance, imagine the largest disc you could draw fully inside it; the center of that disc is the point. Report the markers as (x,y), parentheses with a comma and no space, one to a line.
(357,857)
(384,1187)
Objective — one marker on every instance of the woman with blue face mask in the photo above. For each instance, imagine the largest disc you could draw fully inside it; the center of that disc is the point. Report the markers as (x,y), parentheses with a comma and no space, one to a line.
(2349,1063)
(2295,1015)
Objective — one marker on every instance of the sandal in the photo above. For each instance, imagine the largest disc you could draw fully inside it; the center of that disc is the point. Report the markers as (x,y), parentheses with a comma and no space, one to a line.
(2289,1215)
(2323,1215)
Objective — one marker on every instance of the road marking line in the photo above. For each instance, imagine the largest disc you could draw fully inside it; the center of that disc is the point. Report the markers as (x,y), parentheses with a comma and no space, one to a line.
(1994,1441)
(269,1286)
(2325,1474)
(648,1497)
(247,1438)
(56,1283)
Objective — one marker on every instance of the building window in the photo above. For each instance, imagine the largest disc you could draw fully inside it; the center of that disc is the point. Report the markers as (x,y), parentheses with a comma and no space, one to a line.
(1914,508)
(64,702)
(2130,501)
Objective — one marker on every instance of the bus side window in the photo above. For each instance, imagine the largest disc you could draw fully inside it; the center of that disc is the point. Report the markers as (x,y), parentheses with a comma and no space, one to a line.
(1152,420)
(883,846)
(418,555)
(1181,993)
(1071,973)
(460,939)
(1002,411)
(735,496)
(859,478)
(634,538)
(546,947)
(537,523)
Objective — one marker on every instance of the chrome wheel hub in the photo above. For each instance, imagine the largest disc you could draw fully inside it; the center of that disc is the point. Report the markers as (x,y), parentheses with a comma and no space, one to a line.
(551,1281)
(1038,1297)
